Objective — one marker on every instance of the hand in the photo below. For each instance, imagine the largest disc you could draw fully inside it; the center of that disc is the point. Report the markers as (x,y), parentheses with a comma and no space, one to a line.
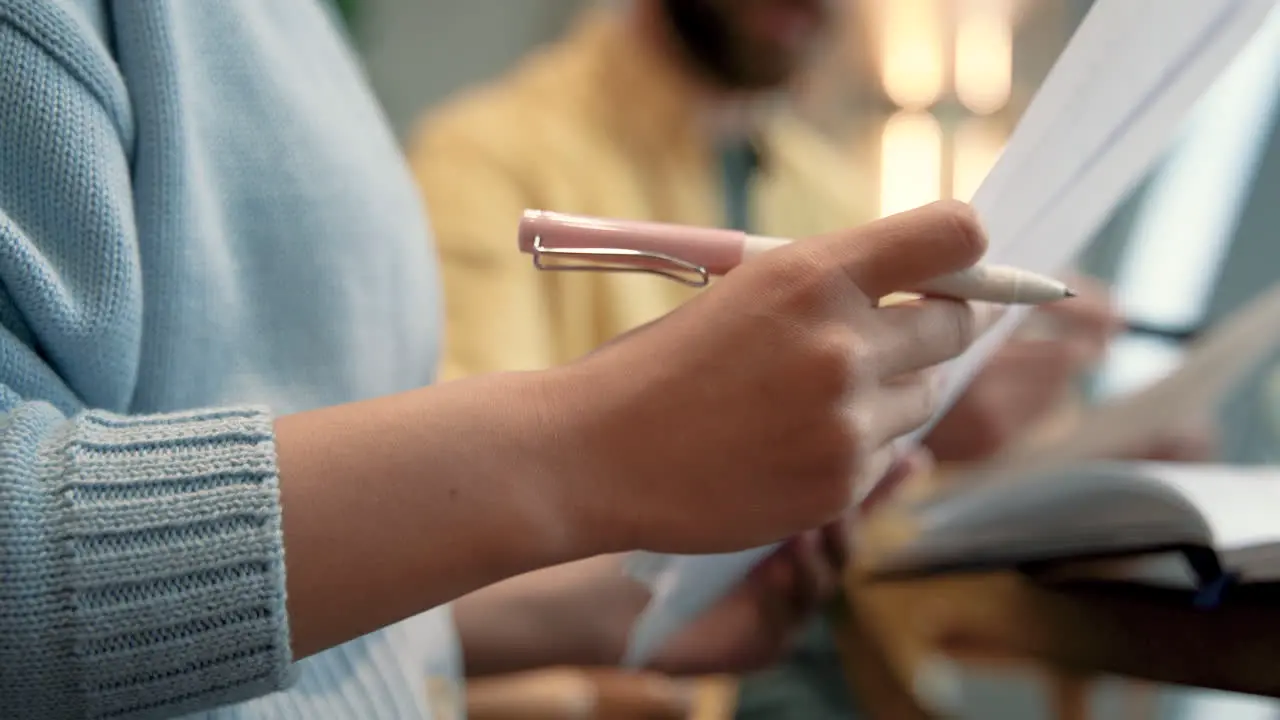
(747,415)
(581,613)
(1027,378)
(757,625)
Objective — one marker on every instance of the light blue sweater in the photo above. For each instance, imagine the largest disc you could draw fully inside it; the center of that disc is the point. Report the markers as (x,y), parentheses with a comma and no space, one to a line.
(203,222)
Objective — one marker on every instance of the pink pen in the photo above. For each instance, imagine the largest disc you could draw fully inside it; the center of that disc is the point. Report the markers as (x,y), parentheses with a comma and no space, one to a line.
(560,241)
(679,249)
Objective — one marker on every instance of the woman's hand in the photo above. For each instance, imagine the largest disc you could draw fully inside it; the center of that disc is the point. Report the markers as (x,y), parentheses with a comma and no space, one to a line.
(580,613)
(757,625)
(748,415)
(742,418)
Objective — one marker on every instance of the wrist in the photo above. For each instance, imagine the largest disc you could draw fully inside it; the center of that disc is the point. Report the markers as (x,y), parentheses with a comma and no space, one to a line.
(580,473)
(541,461)
(575,614)
(451,488)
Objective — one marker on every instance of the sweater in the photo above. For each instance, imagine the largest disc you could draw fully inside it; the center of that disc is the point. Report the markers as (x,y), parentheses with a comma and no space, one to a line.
(204,222)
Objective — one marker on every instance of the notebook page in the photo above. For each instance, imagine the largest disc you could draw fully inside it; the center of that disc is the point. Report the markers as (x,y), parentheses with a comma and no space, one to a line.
(685,586)
(1090,508)
(1240,504)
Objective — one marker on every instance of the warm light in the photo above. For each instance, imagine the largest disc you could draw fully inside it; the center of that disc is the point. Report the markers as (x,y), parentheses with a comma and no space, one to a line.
(910,162)
(984,58)
(978,144)
(911,44)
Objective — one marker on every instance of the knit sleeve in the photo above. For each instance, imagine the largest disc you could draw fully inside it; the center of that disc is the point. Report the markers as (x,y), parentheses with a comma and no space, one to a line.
(141,557)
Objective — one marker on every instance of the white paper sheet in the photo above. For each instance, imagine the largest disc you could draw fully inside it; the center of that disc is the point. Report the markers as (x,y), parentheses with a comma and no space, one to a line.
(1111,104)
(1194,42)
(1213,367)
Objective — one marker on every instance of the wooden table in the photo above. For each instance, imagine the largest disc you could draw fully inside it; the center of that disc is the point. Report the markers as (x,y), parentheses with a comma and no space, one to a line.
(892,631)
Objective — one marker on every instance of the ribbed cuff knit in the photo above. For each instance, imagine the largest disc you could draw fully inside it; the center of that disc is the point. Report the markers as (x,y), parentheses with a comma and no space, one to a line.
(170,535)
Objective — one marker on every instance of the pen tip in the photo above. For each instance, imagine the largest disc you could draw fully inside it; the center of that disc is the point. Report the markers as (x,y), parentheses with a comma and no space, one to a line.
(1068,292)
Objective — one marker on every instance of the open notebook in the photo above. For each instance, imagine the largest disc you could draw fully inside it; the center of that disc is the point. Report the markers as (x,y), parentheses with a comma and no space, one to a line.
(1186,525)
(1066,502)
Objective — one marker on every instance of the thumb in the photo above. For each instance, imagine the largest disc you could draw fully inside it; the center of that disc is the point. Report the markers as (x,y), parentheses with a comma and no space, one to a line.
(901,251)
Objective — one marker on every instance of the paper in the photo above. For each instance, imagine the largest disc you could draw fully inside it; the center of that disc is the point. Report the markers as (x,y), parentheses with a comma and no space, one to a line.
(1195,41)
(1212,368)
(1111,104)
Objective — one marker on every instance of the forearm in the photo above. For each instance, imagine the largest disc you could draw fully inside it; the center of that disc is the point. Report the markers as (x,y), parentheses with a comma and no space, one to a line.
(395,505)
(574,614)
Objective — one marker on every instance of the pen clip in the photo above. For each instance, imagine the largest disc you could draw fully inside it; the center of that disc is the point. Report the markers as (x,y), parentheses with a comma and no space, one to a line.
(620,260)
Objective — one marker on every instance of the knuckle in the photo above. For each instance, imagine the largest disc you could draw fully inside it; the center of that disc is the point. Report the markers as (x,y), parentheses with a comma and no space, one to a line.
(801,268)
(844,450)
(798,286)
(836,363)
(853,434)
(964,227)
(924,402)
(861,368)
(960,326)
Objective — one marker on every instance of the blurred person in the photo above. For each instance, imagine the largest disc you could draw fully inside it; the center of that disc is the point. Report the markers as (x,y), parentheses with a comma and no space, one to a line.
(230,487)
(676,111)
(637,114)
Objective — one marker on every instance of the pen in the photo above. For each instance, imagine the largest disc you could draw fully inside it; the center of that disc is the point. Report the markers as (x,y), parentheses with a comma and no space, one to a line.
(560,241)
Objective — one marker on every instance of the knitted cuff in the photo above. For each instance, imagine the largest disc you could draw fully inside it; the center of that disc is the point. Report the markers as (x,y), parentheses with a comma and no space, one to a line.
(176,559)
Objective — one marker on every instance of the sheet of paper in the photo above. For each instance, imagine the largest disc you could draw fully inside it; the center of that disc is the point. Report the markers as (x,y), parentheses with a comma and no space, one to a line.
(1214,366)
(1113,101)
(1104,27)
(1083,183)
(1211,369)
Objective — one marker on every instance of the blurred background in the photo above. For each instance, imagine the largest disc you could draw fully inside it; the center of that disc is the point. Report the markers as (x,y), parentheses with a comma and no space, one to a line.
(925,89)
(921,94)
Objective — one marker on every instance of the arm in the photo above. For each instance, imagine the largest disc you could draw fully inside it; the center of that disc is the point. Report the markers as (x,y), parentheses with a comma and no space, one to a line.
(581,613)
(144,557)
(497,309)
(574,614)
(481,441)
(134,548)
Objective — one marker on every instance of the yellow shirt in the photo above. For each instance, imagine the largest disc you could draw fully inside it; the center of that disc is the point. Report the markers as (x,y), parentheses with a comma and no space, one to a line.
(599,125)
